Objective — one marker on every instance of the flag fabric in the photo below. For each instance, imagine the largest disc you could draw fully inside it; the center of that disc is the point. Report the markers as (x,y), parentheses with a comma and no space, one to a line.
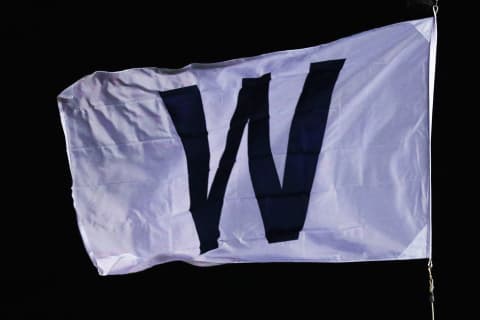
(319,154)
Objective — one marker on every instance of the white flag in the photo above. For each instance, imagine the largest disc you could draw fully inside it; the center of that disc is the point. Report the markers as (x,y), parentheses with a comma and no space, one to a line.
(318,154)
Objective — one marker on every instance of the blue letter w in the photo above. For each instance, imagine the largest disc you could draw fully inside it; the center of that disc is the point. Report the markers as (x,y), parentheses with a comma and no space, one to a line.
(283,207)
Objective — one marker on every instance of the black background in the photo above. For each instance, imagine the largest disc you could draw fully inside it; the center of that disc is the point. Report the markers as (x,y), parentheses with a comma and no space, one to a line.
(51,46)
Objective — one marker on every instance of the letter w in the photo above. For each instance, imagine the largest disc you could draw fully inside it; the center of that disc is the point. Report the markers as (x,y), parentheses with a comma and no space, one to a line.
(283,207)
